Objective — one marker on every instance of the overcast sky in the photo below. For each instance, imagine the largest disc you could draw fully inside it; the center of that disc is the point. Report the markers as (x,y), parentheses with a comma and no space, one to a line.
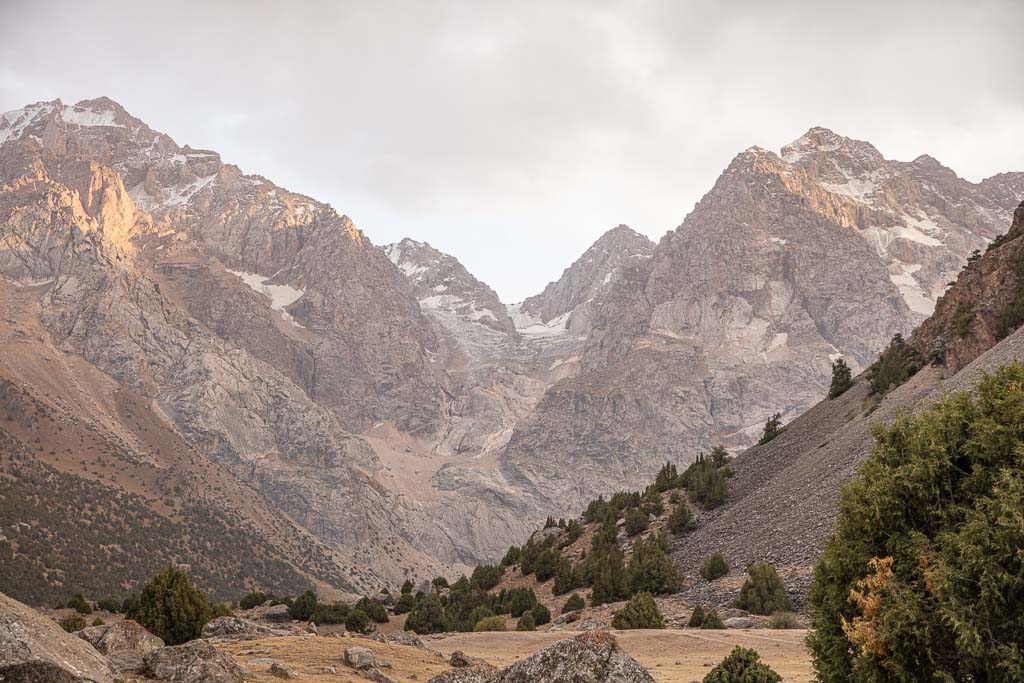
(512,134)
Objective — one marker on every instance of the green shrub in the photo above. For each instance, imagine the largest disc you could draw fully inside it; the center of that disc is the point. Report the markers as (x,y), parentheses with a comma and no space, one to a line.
(255,599)
(541,614)
(98,622)
(427,616)
(763,592)
(404,604)
(545,564)
(772,428)
(781,620)
(526,623)
(130,603)
(650,568)
(372,608)
(681,520)
(608,574)
(407,587)
(667,479)
(896,364)
(715,567)
(220,610)
(706,482)
(303,607)
(520,600)
(697,618)
(842,378)
(72,623)
(512,556)
(640,612)
(962,318)
(333,613)
(574,603)
(636,522)
(486,576)
(742,666)
(111,605)
(711,620)
(490,624)
(171,608)
(923,578)
(80,604)
(357,621)
(440,582)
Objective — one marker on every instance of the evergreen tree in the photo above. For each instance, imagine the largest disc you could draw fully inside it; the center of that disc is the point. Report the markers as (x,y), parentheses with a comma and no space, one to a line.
(526,623)
(697,618)
(303,607)
(541,614)
(574,603)
(357,622)
(715,567)
(772,428)
(681,520)
(650,568)
(427,616)
(404,604)
(742,666)
(763,592)
(171,608)
(636,521)
(407,587)
(923,579)
(842,378)
(640,612)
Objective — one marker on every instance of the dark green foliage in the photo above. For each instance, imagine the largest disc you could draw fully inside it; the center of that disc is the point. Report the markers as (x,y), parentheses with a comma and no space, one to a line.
(250,600)
(719,457)
(608,576)
(640,612)
(573,531)
(72,623)
(97,622)
(373,609)
(763,592)
(111,605)
(519,600)
(404,604)
(715,567)
(220,609)
(440,582)
(526,623)
(80,604)
(427,616)
(772,428)
(667,479)
(650,568)
(636,522)
(480,612)
(923,579)
(842,378)
(171,608)
(681,520)
(705,482)
(697,618)
(896,364)
(541,614)
(711,620)
(486,576)
(742,666)
(512,556)
(568,576)
(357,621)
(962,318)
(545,565)
(304,606)
(333,613)
(574,603)
(407,587)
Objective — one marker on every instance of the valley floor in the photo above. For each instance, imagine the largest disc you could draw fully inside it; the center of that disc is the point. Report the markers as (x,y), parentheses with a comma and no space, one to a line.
(672,656)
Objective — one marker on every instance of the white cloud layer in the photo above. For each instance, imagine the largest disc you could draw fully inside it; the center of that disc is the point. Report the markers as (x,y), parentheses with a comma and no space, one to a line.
(513,134)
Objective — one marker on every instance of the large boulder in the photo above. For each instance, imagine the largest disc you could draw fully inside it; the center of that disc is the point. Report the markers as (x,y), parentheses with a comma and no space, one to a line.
(194,662)
(237,628)
(124,643)
(34,649)
(588,658)
(277,613)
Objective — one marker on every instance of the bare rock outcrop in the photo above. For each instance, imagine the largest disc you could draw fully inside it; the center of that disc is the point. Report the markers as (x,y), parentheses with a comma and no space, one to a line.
(125,643)
(34,649)
(194,662)
(593,657)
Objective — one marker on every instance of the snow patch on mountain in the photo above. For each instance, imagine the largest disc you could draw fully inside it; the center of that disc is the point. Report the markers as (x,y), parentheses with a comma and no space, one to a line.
(81,116)
(13,123)
(281,296)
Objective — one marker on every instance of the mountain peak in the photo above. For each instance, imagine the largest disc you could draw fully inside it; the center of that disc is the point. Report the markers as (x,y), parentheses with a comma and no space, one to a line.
(820,140)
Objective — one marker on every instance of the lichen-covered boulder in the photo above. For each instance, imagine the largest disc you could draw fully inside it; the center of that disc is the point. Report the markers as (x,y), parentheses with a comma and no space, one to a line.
(124,643)
(194,662)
